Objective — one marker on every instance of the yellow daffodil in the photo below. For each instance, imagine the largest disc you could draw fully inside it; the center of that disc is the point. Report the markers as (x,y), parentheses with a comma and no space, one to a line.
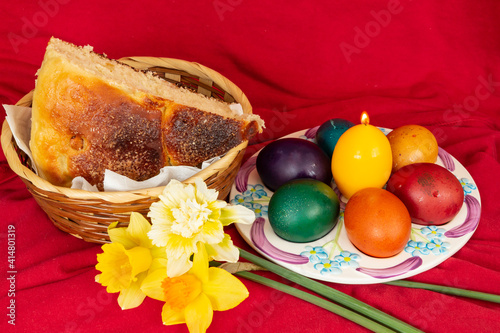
(189,214)
(192,297)
(125,262)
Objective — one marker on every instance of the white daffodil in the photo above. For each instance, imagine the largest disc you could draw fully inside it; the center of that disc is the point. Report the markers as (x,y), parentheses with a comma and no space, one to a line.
(189,214)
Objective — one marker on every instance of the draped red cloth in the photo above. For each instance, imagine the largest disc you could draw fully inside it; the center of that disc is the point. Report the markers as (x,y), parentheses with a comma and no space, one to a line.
(433,63)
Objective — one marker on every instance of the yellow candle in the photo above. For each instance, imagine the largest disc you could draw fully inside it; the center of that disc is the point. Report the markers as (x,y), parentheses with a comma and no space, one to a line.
(362,158)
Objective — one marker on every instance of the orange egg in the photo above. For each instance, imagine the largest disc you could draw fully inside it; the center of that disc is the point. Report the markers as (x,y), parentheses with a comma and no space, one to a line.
(377,222)
(412,144)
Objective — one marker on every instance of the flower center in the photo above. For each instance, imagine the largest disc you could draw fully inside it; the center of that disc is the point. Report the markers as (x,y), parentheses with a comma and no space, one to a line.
(123,267)
(327,265)
(115,267)
(189,217)
(181,290)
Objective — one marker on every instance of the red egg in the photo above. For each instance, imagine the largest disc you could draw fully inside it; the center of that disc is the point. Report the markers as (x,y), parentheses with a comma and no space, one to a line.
(431,193)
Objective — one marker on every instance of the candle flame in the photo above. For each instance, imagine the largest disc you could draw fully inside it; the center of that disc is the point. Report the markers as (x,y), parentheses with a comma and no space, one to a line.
(365,120)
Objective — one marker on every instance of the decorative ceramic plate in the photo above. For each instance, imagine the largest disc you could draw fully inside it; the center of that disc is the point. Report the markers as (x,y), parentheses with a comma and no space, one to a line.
(333,258)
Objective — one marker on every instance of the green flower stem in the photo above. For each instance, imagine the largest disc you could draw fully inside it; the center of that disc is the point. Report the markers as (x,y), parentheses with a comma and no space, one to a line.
(448,290)
(415,233)
(332,307)
(335,241)
(263,199)
(332,294)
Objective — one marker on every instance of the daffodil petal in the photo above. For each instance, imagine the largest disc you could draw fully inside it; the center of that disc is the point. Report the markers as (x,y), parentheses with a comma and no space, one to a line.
(199,314)
(200,264)
(211,232)
(158,252)
(132,296)
(203,193)
(138,229)
(178,266)
(176,192)
(119,235)
(218,204)
(161,224)
(236,214)
(116,271)
(151,285)
(223,251)
(140,259)
(223,289)
(113,225)
(178,246)
(160,211)
(158,263)
(215,208)
(170,316)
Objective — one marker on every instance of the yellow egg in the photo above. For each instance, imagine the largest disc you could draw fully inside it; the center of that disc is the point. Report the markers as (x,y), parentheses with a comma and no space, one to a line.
(412,144)
(362,158)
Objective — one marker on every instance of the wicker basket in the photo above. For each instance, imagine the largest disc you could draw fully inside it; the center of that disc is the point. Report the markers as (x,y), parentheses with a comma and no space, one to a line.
(87,215)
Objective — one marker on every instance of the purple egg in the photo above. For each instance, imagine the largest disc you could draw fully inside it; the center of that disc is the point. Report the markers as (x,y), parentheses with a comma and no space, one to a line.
(292,158)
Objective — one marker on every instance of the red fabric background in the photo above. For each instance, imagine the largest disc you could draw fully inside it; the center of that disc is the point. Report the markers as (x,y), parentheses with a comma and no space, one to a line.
(300,63)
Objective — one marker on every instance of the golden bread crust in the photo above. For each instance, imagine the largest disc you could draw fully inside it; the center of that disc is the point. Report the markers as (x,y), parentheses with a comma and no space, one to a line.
(191,136)
(83,125)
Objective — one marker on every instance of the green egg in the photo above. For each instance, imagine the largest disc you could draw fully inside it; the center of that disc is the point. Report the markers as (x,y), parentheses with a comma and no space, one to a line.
(329,132)
(303,210)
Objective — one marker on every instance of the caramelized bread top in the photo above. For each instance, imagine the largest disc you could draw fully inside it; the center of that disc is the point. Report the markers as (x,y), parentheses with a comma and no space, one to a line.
(91,113)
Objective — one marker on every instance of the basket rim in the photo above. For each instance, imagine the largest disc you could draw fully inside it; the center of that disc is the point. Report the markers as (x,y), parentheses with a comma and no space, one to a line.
(195,68)
(134,195)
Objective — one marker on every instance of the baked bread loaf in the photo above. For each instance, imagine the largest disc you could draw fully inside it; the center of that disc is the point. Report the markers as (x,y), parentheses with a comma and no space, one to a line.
(91,113)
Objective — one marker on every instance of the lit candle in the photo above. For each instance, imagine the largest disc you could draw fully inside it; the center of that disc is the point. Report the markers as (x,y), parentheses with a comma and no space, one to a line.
(362,158)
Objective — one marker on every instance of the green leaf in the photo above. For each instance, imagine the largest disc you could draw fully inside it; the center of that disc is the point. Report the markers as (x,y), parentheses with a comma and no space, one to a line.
(333,295)
(332,307)
(448,290)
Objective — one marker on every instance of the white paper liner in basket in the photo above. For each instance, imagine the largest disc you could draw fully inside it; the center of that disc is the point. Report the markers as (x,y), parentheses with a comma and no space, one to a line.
(19,120)
(115,196)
